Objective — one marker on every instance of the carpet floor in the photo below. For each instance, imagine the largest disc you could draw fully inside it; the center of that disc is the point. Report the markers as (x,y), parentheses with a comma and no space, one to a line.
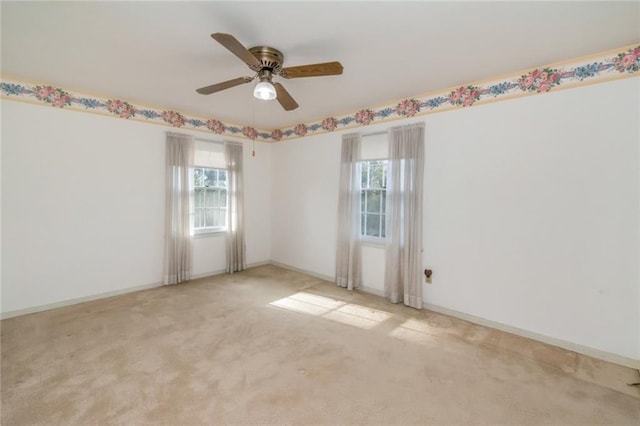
(273,346)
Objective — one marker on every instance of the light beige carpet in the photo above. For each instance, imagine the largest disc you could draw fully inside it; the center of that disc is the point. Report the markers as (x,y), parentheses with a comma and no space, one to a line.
(274,346)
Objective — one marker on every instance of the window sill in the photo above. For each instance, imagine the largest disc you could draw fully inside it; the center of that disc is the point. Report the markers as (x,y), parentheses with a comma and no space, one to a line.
(373,242)
(208,234)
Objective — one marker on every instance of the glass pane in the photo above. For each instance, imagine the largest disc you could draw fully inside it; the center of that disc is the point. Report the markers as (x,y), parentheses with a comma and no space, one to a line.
(383,225)
(223,198)
(220,217)
(364,173)
(363,223)
(383,196)
(198,198)
(376,175)
(216,217)
(215,198)
(209,177)
(373,201)
(384,174)
(209,217)
(222,179)
(197,223)
(198,177)
(211,198)
(373,225)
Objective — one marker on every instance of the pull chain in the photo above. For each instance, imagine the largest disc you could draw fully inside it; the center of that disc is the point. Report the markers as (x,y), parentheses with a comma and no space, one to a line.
(253,138)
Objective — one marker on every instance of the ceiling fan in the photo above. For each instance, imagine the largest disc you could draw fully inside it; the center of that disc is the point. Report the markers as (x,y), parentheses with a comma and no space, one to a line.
(267,62)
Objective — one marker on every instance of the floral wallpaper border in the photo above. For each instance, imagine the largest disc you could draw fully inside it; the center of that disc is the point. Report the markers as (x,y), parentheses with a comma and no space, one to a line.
(619,63)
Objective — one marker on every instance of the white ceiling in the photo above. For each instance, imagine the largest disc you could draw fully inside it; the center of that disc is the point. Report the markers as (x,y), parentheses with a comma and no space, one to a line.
(157,53)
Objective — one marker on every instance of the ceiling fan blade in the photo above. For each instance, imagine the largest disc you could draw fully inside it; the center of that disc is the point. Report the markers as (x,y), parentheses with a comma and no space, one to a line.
(224,85)
(235,47)
(313,70)
(285,99)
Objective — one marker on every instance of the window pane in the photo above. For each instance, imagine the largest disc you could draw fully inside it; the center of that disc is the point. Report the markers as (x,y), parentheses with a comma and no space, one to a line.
(208,215)
(223,198)
(383,225)
(197,218)
(216,217)
(210,199)
(365,173)
(376,175)
(198,177)
(373,201)
(373,198)
(373,225)
(198,198)
(209,177)
(384,174)
(220,217)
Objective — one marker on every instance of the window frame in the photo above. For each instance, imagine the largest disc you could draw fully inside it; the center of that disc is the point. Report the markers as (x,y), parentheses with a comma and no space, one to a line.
(209,230)
(365,166)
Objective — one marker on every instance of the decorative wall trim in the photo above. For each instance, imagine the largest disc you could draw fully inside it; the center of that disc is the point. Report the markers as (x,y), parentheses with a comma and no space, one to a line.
(611,65)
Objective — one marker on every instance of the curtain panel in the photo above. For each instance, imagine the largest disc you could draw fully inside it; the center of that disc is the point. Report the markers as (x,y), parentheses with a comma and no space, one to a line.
(405,173)
(235,241)
(348,253)
(178,245)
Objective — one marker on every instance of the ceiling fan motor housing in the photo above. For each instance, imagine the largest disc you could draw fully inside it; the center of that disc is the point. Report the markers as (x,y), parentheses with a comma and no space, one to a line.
(266,62)
(269,58)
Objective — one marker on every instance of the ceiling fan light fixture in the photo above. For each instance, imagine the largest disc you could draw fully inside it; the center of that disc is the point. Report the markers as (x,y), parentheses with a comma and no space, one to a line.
(267,62)
(265,91)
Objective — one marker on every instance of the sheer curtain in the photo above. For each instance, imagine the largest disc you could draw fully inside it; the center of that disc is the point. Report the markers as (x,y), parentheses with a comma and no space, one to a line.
(236,257)
(403,262)
(177,261)
(348,256)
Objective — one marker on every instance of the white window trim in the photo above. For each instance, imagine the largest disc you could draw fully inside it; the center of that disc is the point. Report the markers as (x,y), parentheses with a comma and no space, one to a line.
(369,239)
(380,155)
(211,231)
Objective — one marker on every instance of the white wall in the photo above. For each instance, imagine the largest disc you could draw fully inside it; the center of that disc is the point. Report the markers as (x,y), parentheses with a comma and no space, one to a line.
(531,213)
(209,251)
(83,206)
(532,210)
(305,193)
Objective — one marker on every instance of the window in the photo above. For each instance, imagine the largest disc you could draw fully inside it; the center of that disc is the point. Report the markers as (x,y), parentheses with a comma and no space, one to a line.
(210,200)
(373,198)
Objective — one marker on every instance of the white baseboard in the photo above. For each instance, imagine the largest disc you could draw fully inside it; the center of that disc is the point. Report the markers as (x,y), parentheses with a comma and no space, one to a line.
(256,264)
(75,301)
(325,277)
(69,302)
(584,350)
(302,271)
(575,347)
(372,290)
(208,274)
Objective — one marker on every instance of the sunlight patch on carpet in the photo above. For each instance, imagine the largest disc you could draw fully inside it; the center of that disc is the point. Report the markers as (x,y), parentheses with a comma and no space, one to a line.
(414,331)
(334,310)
